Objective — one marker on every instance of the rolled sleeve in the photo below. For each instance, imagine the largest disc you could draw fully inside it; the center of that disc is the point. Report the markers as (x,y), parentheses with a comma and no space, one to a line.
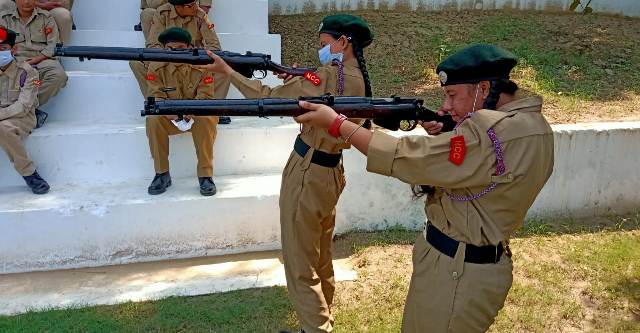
(382,152)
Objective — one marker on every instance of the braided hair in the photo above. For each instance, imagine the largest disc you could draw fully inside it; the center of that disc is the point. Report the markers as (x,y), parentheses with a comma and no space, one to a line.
(497,87)
(362,62)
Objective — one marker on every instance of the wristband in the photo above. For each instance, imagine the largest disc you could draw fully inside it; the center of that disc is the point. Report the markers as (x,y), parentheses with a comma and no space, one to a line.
(334,130)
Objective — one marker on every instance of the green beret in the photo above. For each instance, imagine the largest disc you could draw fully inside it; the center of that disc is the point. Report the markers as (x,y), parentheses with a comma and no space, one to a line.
(180,2)
(175,34)
(475,63)
(348,25)
(7,36)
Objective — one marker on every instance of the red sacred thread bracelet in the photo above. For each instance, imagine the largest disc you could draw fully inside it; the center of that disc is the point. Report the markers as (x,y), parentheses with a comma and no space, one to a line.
(334,130)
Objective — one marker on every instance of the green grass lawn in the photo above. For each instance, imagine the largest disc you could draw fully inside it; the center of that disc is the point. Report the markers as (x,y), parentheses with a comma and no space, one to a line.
(586,66)
(569,276)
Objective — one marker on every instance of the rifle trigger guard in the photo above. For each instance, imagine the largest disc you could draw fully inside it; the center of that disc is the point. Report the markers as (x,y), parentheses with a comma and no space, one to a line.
(261,113)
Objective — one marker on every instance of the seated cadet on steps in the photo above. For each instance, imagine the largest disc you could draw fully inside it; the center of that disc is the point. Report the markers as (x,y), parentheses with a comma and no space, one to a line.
(59,9)
(148,9)
(37,37)
(18,100)
(485,175)
(180,81)
(188,15)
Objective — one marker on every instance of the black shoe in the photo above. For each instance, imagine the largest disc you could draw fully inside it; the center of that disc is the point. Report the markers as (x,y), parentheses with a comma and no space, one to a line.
(36,183)
(224,120)
(137,27)
(73,27)
(207,186)
(160,183)
(41,118)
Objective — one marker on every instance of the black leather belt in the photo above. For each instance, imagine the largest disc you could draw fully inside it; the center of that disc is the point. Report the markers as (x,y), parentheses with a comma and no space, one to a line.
(319,157)
(473,254)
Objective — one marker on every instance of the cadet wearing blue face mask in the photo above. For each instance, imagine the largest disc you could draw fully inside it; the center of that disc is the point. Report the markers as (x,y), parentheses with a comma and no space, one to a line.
(18,101)
(314,177)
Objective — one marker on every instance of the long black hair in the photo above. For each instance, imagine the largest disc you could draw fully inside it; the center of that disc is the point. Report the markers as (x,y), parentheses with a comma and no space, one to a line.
(496,88)
(362,62)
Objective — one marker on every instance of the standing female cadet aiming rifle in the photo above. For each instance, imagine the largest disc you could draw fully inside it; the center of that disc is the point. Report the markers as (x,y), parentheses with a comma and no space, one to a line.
(313,178)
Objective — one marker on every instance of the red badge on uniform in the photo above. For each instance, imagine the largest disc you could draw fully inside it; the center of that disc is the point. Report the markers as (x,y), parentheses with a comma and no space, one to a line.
(48,30)
(458,150)
(311,76)
(37,83)
(211,26)
(151,77)
(3,34)
(208,80)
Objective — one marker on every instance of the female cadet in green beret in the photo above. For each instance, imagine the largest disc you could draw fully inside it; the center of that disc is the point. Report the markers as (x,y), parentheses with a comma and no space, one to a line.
(487,173)
(314,177)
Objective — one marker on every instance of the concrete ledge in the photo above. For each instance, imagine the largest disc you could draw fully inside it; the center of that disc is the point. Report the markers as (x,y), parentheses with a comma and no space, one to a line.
(97,154)
(596,172)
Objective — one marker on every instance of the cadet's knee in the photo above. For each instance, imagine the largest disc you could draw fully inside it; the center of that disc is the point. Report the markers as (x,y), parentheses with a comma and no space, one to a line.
(6,5)
(62,16)
(147,14)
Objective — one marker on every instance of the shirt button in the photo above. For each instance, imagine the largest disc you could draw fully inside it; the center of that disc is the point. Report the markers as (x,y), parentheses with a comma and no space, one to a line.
(455,275)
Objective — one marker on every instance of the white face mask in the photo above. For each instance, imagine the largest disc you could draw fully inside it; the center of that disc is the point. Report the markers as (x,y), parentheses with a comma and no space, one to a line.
(5,57)
(326,57)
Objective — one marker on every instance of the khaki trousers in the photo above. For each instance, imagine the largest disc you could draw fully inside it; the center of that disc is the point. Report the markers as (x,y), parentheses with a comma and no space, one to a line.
(61,15)
(448,295)
(308,197)
(52,77)
(203,131)
(13,132)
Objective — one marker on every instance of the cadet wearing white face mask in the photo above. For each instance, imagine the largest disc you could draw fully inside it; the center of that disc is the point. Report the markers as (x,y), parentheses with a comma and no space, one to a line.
(313,178)
(18,100)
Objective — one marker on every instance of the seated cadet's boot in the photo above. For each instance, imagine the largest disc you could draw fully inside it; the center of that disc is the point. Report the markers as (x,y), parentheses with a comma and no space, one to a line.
(41,118)
(36,183)
(160,183)
(137,27)
(224,120)
(207,186)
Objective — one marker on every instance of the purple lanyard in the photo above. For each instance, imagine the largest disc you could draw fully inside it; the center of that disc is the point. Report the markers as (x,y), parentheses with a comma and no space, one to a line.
(340,76)
(500,168)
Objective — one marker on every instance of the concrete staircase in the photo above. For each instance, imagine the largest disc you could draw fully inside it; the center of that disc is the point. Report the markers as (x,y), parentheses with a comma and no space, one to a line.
(94,153)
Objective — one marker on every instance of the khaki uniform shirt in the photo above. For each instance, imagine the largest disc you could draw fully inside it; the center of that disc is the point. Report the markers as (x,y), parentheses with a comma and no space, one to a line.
(16,100)
(202,31)
(38,36)
(527,141)
(299,86)
(189,82)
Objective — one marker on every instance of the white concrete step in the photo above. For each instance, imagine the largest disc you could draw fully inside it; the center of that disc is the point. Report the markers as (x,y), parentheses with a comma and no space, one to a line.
(110,98)
(79,226)
(122,15)
(234,42)
(88,225)
(39,291)
(69,153)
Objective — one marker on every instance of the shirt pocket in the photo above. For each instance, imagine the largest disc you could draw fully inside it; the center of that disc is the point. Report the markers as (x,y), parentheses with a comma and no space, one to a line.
(13,96)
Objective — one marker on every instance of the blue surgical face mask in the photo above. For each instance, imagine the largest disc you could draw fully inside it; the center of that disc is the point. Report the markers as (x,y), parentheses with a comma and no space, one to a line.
(5,57)
(326,57)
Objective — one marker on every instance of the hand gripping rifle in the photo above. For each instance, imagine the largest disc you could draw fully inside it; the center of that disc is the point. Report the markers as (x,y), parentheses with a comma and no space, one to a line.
(244,64)
(391,113)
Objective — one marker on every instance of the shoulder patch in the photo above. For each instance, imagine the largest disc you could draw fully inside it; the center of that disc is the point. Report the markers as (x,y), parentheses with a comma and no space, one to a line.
(313,78)
(211,26)
(47,30)
(37,83)
(23,78)
(151,77)
(458,150)
(207,80)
